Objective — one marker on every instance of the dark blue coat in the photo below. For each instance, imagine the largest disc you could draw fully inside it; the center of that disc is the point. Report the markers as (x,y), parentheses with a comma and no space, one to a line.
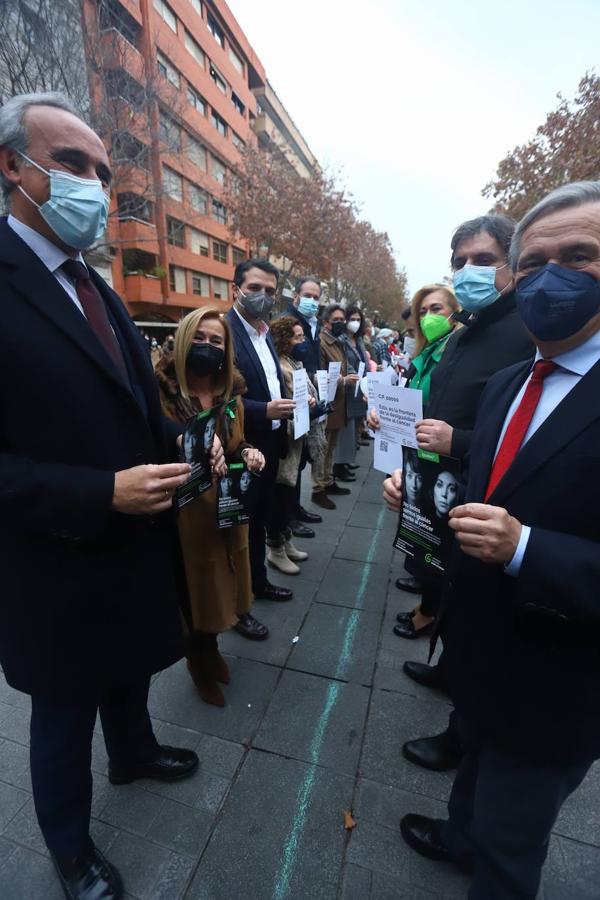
(257,428)
(313,359)
(88,595)
(523,654)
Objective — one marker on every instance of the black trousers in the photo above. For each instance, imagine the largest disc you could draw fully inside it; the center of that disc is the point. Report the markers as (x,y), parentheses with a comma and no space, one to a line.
(260,512)
(61,756)
(281,512)
(502,809)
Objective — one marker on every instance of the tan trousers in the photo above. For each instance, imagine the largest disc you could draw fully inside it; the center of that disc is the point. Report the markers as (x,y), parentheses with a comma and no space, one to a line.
(322,473)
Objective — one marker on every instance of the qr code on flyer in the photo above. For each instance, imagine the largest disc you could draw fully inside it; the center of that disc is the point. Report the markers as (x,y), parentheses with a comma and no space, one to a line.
(383,446)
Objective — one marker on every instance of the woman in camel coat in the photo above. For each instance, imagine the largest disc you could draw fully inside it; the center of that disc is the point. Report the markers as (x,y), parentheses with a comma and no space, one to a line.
(201,376)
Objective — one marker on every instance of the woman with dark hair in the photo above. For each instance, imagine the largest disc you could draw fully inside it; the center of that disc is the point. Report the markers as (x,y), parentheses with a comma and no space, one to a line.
(199,376)
(290,343)
(351,435)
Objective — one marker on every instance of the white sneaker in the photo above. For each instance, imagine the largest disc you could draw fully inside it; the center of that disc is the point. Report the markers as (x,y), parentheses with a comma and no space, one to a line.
(278,559)
(293,552)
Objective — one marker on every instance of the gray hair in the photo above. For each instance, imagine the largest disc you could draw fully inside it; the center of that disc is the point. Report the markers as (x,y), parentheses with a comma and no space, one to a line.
(578,193)
(13,132)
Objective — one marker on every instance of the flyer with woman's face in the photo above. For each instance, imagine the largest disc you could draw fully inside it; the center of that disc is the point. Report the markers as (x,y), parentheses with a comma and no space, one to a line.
(196,443)
(235,496)
(431,487)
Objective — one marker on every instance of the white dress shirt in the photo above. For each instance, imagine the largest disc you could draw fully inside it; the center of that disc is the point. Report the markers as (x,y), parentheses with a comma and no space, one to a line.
(51,255)
(263,351)
(574,364)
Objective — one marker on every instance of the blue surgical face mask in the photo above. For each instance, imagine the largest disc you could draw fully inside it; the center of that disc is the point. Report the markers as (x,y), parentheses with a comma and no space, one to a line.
(308,307)
(555,303)
(77,209)
(475,287)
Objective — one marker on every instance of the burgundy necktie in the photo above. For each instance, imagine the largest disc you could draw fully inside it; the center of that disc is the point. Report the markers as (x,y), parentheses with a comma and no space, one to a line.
(519,424)
(95,313)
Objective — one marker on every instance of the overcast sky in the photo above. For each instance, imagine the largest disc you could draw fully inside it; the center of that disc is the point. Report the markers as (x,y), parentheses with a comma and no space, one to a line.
(418,100)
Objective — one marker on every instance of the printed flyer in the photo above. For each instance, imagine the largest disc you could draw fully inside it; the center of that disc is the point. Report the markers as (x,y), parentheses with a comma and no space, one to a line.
(196,444)
(431,486)
(235,496)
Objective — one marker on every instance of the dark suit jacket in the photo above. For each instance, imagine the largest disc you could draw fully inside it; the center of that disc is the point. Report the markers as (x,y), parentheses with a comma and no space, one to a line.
(494,340)
(313,359)
(257,428)
(89,595)
(523,653)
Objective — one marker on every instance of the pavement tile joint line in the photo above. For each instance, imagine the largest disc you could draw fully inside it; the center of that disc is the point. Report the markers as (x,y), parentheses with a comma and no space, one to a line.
(285,872)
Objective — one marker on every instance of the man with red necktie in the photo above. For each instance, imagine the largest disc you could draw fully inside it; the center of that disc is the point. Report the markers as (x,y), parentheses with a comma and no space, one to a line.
(527,566)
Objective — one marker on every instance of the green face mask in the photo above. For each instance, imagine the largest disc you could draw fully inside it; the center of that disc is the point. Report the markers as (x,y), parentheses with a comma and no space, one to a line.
(434,326)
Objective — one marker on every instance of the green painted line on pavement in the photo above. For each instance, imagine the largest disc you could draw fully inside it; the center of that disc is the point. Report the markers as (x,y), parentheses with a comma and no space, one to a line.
(290,852)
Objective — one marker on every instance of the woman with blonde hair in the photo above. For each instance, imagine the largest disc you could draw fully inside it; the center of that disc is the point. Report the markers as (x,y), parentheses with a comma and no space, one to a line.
(200,376)
(431,310)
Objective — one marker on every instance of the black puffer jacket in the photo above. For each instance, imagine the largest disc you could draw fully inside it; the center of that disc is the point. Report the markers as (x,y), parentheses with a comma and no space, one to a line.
(492,340)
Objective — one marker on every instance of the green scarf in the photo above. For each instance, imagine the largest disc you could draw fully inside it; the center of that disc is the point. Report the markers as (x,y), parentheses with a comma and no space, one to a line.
(425,363)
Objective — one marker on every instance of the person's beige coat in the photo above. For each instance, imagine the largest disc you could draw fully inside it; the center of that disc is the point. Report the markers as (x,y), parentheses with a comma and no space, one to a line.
(333,351)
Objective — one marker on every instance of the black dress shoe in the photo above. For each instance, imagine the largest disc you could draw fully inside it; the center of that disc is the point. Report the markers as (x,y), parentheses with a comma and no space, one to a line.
(425,836)
(341,473)
(167,764)
(303,515)
(337,490)
(428,676)
(89,876)
(439,753)
(300,530)
(408,630)
(273,592)
(405,616)
(251,628)
(410,584)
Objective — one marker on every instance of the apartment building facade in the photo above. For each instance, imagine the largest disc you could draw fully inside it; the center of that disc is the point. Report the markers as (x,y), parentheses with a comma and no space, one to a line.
(178,77)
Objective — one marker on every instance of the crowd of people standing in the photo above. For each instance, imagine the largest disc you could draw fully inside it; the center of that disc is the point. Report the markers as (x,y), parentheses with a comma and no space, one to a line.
(91,487)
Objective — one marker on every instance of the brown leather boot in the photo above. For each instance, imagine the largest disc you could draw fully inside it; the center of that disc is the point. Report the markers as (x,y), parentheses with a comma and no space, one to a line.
(201,666)
(221,668)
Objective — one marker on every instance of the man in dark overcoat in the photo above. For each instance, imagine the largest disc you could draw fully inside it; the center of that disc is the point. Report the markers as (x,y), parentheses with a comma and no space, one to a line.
(89,607)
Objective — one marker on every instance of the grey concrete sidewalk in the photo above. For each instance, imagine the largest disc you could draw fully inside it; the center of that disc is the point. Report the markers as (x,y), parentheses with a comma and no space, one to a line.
(313,727)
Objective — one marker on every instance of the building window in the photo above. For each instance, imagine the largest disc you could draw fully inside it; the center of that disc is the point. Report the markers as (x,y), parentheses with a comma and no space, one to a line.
(236,61)
(219,250)
(165,11)
(113,15)
(220,289)
(175,232)
(197,198)
(167,69)
(120,84)
(217,170)
(128,150)
(170,133)
(177,279)
(134,206)
(196,100)
(219,123)
(238,104)
(218,79)
(172,183)
(215,30)
(200,284)
(194,48)
(197,6)
(198,242)
(238,256)
(196,153)
(237,141)
(219,213)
